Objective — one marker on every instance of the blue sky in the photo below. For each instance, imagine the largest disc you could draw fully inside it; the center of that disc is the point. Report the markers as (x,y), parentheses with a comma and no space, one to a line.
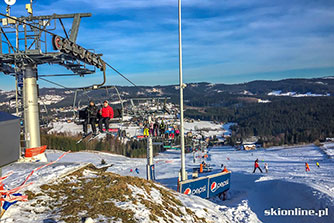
(224,41)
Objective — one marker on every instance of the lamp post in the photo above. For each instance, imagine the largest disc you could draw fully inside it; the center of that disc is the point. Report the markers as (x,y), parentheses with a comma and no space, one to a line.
(183,161)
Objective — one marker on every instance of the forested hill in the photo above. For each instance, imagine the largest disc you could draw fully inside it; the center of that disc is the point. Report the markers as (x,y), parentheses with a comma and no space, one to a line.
(260,87)
(316,86)
(278,112)
(195,91)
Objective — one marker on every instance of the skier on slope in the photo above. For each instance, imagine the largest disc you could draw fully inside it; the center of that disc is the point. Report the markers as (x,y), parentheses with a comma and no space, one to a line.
(307,167)
(106,113)
(257,166)
(318,165)
(201,168)
(266,167)
(91,115)
(225,170)
(137,170)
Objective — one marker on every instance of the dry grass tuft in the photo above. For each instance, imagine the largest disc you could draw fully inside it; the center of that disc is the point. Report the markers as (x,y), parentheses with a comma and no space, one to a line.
(96,194)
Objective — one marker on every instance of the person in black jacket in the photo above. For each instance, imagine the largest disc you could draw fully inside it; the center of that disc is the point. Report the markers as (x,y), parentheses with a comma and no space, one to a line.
(162,128)
(91,115)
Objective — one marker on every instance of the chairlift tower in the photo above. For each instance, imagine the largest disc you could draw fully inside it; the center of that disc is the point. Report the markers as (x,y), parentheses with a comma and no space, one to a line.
(29,41)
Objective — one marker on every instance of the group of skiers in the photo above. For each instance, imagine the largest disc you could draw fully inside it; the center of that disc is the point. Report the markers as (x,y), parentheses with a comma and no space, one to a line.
(153,128)
(136,170)
(257,166)
(307,166)
(161,129)
(93,113)
(224,168)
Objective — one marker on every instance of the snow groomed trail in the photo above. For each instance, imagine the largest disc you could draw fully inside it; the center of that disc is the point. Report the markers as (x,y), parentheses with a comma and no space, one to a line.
(286,186)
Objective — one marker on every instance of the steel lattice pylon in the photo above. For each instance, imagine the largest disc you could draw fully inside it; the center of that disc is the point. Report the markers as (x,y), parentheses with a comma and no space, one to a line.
(29,41)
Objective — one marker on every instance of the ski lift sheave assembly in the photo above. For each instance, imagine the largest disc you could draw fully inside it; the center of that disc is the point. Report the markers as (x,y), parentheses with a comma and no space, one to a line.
(25,44)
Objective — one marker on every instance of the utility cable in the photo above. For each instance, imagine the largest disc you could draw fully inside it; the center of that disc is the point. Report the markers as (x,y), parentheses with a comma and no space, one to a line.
(51,82)
(121,74)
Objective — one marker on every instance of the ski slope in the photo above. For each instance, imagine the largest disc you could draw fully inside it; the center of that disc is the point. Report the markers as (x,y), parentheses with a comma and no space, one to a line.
(286,186)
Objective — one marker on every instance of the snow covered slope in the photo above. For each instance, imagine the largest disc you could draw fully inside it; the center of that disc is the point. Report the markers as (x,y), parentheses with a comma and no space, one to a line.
(286,186)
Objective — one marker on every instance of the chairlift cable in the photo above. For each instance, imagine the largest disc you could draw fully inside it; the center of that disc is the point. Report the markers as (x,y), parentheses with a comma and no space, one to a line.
(121,74)
(51,82)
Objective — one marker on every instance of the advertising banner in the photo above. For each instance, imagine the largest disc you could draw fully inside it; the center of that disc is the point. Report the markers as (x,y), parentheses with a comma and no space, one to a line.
(218,183)
(198,187)
(208,186)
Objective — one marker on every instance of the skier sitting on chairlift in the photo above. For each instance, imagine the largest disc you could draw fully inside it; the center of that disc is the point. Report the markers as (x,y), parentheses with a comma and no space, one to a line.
(162,128)
(106,113)
(91,115)
(171,133)
(156,128)
(177,132)
(167,132)
(151,129)
(146,131)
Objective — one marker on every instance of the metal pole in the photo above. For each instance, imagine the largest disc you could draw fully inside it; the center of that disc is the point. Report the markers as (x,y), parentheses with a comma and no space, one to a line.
(149,154)
(119,96)
(17,37)
(31,108)
(16,96)
(183,161)
(16,76)
(74,100)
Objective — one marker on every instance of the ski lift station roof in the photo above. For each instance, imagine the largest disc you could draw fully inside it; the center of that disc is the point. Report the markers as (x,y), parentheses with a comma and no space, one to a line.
(9,138)
(6,117)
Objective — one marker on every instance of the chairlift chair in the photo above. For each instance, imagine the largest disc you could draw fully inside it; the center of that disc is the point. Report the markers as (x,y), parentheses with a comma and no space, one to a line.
(77,101)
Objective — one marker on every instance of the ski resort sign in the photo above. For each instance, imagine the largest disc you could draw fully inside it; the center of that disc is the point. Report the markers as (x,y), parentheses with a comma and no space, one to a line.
(218,183)
(207,186)
(198,187)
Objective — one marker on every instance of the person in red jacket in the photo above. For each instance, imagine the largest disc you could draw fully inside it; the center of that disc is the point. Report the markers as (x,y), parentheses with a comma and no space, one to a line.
(307,167)
(256,165)
(106,113)
(225,170)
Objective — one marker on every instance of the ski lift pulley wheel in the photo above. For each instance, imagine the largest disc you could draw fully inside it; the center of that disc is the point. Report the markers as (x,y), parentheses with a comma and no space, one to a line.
(57,43)
(82,53)
(67,45)
(75,48)
(89,58)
